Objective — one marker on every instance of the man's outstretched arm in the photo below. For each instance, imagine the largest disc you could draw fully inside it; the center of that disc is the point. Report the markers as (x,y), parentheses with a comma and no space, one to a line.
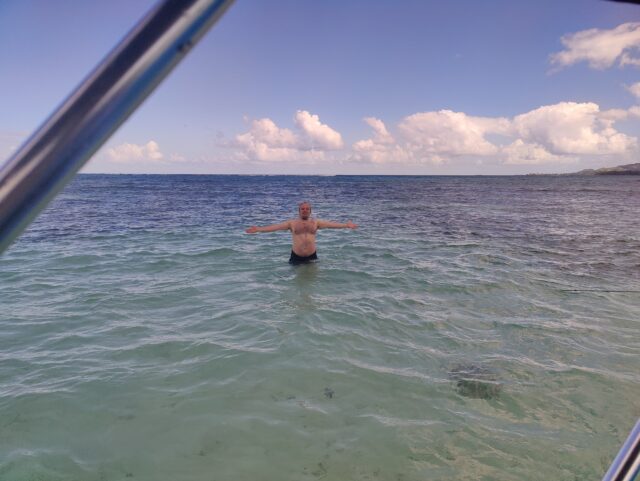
(326,224)
(269,228)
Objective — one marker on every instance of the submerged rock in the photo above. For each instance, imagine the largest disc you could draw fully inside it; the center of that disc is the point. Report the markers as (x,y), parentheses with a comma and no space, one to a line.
(475,381)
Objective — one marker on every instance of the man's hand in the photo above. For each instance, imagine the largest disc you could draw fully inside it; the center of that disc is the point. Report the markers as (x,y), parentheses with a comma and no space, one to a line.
(252,230)
(351,225)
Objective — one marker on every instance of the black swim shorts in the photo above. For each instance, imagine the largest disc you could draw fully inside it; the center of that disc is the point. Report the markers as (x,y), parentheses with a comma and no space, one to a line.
(296,259)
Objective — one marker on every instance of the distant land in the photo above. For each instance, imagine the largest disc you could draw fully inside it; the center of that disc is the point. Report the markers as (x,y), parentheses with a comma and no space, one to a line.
(628,169)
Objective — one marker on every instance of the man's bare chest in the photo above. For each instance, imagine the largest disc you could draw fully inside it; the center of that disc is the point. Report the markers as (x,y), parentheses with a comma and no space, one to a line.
(305,227)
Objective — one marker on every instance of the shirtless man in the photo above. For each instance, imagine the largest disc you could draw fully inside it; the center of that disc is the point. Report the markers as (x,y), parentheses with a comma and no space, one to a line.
(303,231)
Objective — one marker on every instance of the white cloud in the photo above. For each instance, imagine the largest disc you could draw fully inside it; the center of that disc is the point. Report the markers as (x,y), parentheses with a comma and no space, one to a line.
(450,134)
(267,142)
(430,138)
(634,89)
(382,135)
(317,134)
(376,153)
(265,131)
(626,59)
(601,48)
(380,149)
(570,128)
(556,133)
(149,152)
(520,152)
(613,115)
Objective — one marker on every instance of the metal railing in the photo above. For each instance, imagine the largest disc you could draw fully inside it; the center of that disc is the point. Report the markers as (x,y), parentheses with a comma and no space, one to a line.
(626,465)
(50,158)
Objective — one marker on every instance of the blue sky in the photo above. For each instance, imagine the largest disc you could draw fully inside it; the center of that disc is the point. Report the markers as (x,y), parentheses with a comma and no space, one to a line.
(355,87)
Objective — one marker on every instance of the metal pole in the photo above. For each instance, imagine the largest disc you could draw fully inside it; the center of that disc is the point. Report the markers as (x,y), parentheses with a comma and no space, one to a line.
(626,465)
(103,101)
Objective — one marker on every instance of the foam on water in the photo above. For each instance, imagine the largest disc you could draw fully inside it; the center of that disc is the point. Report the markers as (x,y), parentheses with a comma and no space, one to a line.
(472,328)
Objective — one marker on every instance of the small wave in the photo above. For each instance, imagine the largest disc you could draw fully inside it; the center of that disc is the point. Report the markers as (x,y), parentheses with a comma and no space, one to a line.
(81,260)
(218,253)
(400,422)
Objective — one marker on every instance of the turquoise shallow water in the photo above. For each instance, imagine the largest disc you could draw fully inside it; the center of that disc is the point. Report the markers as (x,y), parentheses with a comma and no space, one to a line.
(144,336)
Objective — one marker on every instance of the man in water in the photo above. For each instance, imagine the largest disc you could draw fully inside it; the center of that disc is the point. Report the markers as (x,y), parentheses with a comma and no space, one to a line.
(303,231)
